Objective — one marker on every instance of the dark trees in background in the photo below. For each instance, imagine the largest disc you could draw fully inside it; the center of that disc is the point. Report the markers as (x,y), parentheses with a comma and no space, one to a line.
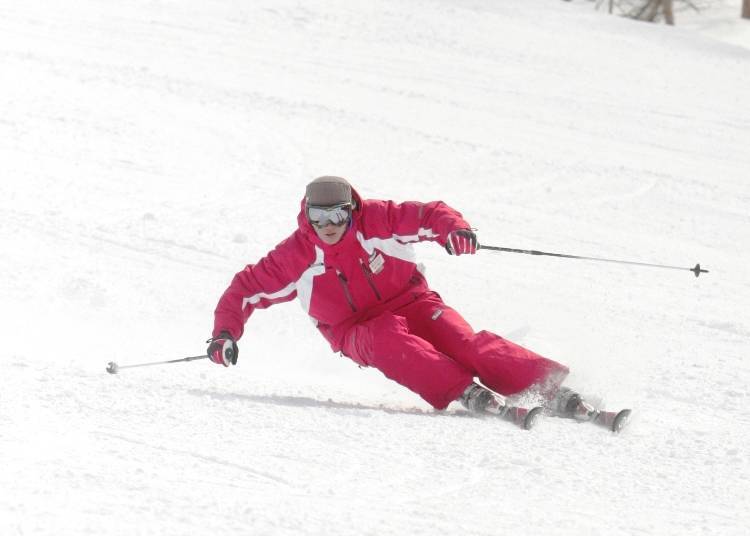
(658,10)
(651,10)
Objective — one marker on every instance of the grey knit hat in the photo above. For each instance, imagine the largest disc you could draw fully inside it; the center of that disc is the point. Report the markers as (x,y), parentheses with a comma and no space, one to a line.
(328,191)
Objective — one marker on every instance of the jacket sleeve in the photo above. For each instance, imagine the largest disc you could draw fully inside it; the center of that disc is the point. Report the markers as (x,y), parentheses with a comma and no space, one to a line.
(413,221)
(271,280)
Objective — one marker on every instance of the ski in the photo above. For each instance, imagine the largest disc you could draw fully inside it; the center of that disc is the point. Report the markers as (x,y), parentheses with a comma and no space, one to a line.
(526,418)
(568,404)
(614,421)
(478,399)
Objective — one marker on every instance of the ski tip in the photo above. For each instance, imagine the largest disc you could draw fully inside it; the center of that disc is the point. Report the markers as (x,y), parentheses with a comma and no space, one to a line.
(532,418)
(621,421)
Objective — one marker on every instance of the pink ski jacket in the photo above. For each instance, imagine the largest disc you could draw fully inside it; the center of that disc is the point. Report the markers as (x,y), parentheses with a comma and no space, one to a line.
(371,269)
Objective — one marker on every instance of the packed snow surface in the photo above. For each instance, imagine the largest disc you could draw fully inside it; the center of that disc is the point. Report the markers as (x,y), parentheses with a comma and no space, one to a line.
(150,149)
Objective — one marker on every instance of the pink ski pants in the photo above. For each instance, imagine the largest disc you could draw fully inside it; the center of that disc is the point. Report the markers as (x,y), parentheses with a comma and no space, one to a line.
(429,348)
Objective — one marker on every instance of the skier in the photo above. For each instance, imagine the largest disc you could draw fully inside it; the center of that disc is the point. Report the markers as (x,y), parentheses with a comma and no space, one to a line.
(351,264)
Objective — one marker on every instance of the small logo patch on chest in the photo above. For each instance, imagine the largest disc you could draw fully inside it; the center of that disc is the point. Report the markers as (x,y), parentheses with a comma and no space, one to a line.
(377,262)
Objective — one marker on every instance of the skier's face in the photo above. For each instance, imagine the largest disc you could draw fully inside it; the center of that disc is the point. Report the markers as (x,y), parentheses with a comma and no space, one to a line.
(330,234)
(330,222)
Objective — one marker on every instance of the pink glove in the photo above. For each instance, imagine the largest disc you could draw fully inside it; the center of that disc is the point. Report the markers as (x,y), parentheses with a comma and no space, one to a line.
(461,242)
(222,350)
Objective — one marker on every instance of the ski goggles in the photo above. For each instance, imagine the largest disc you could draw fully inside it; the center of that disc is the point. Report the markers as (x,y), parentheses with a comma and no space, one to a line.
(336,215)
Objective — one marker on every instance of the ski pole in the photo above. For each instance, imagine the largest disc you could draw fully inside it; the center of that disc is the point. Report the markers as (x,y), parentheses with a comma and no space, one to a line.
(113,367)
(697,270)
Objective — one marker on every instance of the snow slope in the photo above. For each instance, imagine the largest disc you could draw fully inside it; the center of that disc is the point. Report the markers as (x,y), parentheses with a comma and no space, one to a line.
(150,149)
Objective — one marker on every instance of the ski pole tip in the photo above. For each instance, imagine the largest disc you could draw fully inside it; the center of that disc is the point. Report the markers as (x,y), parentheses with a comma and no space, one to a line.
(697,270)
(112,367)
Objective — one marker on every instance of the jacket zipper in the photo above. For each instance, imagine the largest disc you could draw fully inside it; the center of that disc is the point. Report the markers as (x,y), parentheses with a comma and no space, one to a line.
(368,276)
(345,286)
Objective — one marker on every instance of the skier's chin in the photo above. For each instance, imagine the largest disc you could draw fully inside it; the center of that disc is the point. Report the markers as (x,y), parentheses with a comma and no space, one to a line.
(331,239)
(330,236)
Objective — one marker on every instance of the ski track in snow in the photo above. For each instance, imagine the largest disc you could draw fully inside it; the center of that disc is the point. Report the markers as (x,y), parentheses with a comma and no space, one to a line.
(151,149)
